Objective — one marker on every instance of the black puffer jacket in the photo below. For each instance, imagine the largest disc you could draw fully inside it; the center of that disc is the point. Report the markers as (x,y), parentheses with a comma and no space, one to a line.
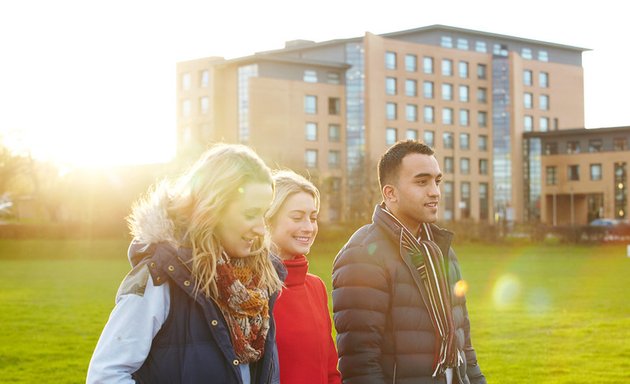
(384,332)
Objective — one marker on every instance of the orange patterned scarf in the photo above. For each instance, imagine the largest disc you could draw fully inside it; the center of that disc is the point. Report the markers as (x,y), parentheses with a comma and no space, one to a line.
(245,307)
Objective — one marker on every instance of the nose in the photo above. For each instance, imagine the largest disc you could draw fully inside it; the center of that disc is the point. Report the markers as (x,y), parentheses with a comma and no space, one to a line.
(434,191)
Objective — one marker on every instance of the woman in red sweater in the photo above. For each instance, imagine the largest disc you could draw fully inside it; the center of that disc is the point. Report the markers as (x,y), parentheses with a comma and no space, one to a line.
(306,349)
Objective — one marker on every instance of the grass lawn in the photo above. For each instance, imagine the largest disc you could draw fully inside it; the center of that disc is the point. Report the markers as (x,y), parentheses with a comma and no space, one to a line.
(540,314)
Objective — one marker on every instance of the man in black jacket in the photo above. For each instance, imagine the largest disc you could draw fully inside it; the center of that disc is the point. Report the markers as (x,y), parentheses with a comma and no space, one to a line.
(399,309)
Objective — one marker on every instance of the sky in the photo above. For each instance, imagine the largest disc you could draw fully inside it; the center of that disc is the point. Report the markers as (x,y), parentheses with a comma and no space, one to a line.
(92,83)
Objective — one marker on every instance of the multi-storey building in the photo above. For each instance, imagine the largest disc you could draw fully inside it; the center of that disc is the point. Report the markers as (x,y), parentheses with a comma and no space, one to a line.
(330,110)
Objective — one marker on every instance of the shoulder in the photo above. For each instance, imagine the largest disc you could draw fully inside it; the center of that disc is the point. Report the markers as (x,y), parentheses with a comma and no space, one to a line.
(368,244)
(135,282)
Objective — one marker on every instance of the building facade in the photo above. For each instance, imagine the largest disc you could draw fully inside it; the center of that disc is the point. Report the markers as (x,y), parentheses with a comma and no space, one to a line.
(329,110)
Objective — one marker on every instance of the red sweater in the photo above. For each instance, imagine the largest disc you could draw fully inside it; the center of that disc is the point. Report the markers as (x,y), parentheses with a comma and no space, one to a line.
(305,346)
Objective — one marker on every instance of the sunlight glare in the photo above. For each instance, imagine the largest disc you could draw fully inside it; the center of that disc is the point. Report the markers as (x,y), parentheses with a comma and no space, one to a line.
(506,291)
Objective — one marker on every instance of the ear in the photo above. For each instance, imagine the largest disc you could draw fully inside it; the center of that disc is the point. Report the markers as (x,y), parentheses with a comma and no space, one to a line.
(390,194)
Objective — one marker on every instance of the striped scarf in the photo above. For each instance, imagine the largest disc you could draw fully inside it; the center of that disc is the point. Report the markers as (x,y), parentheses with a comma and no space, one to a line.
(429,261)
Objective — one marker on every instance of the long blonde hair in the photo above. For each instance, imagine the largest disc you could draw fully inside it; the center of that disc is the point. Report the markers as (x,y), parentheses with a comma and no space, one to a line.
(196,202)
(288,183)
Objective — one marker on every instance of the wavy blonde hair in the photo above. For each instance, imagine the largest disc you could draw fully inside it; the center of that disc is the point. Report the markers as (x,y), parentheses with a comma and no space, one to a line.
(288,183)
(196,202)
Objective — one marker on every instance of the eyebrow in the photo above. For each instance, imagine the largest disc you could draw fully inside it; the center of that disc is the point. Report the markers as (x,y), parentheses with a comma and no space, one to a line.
(421,175)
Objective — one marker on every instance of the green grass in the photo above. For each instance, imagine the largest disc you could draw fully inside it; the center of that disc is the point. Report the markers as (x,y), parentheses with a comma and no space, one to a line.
(540,314)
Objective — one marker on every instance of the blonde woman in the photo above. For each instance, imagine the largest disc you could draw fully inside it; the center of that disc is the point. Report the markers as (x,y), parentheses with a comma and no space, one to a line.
(305,346)
(197,305)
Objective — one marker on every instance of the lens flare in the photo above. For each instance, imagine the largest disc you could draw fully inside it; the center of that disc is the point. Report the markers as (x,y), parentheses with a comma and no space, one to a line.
(538,302)
(506,291)
(460,289)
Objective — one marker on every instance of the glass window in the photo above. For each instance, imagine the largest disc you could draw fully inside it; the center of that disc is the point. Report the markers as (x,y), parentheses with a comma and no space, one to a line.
(482,71)
(204,78)
(390,60)
(526,53)
(543,80)
(620,144)
(464,141)
(449,200)
(310,158)
(464,117)
(544,102)
(480,46)
(446,42)
(411,63)
(185,107)
(448,140)
(463,69)
(482,142)
(447,116)
(310,104)
(528,77)
(573,172)
(391,135)
(411,88)
(447,67)
(185,81)
(334,159)
(484,211)
(528,123)
(543,56)
(500,50)
(429,138)
(411,112)
(528,100)
(596,172)
(334,106)
(543,123)
(551,175)
(464,165)
(483,166)
(427,89)
(482,96)
(390,85)
(310,76)
(463,93)
(462,44)
(311,131)
(427,64)
(595,145)
(334,132)
(551,148)
(447,91)
(412,134)
(204,104)
(429,116)
(449,164)
(390,111)
(573,147)
(482,119)
(334,78)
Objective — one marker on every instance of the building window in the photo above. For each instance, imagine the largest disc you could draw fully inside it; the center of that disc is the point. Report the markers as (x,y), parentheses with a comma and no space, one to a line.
(334,159)
(449,165)
(429,116)
(411,63)
(526,53)
(464,166)
(204,78)
(411,88)
(528,77)
(596,172)
(429,138)
(447,67)
(462,44)
(334,78)
(204,104)
(465,199)
(447,116)
(482,142)
(484,212)
(311,131)
(390,60)
(449,200)
(310,104)
(573,147)
(482,95)
(551,175)
(390,111)
(447,91)
(595,145)
(310,76)
(482,119)
(186,108)
(411,112)
(310,158)
(390,85)
(543,80)
(464,117)
(544,102)
(528,100)
(500,50)
(334,133)
(185,81)
(463,69)
(412,134)
(391,136)
(427,89)
(483,166)
(427,64)
(551,148)
(620,144)
(463,93)
(482,71)
(464,141)
(448,140)
(573,172)
(480,46)
(528,123)
(334,106)
(446,42)
(543,56)
(543,123)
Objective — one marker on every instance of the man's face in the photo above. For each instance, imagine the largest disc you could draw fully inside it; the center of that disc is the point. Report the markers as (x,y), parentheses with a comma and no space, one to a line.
(415,195)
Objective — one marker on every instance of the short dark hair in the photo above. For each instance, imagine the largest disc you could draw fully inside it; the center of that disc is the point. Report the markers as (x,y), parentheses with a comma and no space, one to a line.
(389,163)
